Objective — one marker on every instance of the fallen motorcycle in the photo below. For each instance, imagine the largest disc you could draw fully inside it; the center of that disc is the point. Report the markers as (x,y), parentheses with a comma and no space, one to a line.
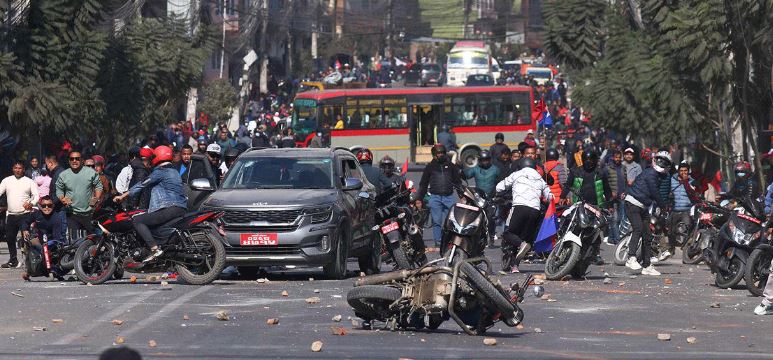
(583,227)
(192,245)
(44,258)
(708,219)
(432,294)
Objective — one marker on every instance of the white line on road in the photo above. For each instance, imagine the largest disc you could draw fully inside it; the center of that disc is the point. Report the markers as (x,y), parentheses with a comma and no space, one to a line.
(105,318)
(166,309)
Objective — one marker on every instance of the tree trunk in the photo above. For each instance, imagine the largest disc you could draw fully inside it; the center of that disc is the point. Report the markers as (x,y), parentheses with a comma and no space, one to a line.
(262,47)
(289,17)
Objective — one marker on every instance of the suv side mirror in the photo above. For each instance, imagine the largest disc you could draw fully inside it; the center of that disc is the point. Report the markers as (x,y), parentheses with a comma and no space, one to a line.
(201,184)
(352,184)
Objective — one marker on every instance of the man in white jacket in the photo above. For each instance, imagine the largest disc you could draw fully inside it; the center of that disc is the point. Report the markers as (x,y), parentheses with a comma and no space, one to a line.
(22,195)
(529,190)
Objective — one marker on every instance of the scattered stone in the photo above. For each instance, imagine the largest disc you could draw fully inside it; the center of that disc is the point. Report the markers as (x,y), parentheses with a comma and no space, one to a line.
(272,321)
(606,274)
(186,317)
(39,328)
(355,323)
(312,300)
(607,281)
(621,284)
(362,274)
(164,276)
(222,315)
(489,341)
(337,330)
(262,280)
(57,321)
(540,277)
(316,291)
(119,340)
(538,330)
(316,346)
(133,279)
(337,318)
(715,305)
(151,278)
(117,322)
(17,294)
(691,340)
(632,276)
(89,284)
(668,282)
(152,343)
(664,337)
(545,297)
(311,279)
(539,281)
(552,300)
(285,293)
(519,326)
(164,283)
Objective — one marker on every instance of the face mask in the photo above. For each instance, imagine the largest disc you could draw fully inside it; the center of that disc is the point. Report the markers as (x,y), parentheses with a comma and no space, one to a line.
(442,159)
(740,174)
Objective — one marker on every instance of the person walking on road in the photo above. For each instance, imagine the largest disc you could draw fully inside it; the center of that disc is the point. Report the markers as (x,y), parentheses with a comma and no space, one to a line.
(21,194)
(440,178)
(617,173)
(79,189)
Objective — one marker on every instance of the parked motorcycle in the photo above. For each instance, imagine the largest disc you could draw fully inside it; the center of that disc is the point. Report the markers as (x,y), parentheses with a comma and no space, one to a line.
(402,239)
(658,229)
(707,218)
(738,237)
(758,267)
(438,292)
(582,228)
(192,245)
(465,230)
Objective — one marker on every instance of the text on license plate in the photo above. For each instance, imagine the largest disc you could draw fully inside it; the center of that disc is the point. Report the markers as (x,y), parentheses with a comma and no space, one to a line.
(260,239)
(389,227)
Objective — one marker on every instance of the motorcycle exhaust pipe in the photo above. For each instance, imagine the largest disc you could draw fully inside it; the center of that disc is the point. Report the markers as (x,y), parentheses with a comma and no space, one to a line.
(379,279)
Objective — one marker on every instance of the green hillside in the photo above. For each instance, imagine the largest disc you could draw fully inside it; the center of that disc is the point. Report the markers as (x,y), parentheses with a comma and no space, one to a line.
(446,17)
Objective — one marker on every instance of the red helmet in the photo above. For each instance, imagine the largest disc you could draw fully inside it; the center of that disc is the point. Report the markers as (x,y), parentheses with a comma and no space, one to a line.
(365,156)
(146,152)
(162,154)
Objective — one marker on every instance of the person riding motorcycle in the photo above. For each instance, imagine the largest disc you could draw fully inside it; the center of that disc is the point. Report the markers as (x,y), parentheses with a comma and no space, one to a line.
(745,189)
(374,176)
(167,199)
(640,196)
(390,177)
(485,175)
(589,183)
(528,190)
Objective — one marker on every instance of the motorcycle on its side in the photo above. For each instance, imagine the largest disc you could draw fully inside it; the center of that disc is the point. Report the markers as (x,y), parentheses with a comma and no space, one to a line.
(583,227)
(46,258)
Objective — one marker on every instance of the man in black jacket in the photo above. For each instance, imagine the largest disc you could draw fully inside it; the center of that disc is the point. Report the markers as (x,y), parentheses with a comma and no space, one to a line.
(440,178)
(641,195)
(499,146)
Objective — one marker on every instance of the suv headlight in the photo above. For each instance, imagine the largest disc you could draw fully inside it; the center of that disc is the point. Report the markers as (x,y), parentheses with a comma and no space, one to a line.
(319,214)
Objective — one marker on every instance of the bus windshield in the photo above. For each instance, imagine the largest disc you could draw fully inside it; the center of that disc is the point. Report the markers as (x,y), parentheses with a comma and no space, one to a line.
(540,74)
(468,58)
(305,116)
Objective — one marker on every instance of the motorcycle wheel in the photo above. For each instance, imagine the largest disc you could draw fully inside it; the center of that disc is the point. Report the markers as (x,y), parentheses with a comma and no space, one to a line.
(757,271)
(94,265)
(734,274)
(371,302)
(496,301)
(213,252)
(691,252)
(621,250)
(562,260)
(398,254)
(435,321)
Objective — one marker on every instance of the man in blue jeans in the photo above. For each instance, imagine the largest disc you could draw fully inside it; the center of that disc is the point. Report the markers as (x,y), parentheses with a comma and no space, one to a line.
(439,180)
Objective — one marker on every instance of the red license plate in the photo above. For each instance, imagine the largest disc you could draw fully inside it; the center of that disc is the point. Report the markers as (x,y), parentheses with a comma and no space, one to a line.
(389,227)
(261,239)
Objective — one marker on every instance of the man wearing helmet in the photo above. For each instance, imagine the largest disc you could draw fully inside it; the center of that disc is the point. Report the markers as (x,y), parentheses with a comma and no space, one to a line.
(389,178)
(486,176)
(374,176)
(643,193)
(528,190)
(167,199)
(745,189)
(499,146)
(440,178)
(556,170)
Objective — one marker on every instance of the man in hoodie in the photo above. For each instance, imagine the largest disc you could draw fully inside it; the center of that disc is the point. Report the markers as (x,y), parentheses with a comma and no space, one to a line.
(528,189)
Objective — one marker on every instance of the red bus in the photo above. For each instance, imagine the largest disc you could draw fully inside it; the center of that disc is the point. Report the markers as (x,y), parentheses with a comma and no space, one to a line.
(404,122)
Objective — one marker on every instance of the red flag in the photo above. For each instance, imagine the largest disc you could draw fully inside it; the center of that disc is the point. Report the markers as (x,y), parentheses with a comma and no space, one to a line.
(404,170)
(536,113)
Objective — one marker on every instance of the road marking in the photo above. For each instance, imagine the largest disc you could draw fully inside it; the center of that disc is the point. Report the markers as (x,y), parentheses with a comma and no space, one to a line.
(165,310)
(105,318)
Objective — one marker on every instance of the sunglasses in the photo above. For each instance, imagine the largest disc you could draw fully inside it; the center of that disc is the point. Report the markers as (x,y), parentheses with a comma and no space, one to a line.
(75,159)
(214,155)
(46,206)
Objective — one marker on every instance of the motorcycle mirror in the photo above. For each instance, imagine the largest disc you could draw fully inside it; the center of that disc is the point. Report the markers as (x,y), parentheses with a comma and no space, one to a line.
(538,290)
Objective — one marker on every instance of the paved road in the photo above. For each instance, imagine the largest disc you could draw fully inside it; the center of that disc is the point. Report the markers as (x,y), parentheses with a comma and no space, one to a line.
(588,319)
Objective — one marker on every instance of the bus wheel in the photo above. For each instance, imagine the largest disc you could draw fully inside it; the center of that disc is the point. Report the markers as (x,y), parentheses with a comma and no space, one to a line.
(469,158)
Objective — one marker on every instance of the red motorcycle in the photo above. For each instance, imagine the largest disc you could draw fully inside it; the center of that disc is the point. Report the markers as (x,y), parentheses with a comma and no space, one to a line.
(193,246)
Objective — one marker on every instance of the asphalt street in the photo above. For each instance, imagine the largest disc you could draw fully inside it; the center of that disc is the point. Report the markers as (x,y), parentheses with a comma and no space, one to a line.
(582,319)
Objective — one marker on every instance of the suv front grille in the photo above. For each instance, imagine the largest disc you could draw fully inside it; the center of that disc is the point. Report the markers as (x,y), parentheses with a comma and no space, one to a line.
(264,250)
(269,228)
(268,216)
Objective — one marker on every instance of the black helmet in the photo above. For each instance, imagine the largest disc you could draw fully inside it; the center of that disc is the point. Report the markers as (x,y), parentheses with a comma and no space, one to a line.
(499,136)
(387,164)
(590,158)
(485,156)
(438,148)
(231,154)
(527,162)
(551,154)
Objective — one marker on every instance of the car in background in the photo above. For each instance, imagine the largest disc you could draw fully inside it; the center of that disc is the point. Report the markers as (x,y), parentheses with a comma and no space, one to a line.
(479,80)
(424,75)
(297,207)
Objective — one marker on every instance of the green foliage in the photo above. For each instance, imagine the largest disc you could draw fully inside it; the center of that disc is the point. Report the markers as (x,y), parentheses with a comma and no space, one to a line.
(219,99)
(574,30)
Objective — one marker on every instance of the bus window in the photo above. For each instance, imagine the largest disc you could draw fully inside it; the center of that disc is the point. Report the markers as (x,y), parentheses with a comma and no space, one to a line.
(395,113)
(305,116)
(462,111)
(522,109)
(330,113)
(369,111)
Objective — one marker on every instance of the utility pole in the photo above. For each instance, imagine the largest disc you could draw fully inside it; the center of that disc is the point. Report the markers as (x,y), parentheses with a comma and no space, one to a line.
(315,35)
(466,17)
(262,47)
(289,18)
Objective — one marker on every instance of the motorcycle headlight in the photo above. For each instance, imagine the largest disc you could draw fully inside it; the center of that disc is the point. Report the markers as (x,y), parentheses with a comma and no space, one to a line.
(739,237)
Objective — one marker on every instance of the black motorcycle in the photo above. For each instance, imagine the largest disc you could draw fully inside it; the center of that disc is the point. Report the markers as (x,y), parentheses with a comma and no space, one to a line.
(402,238)
(738,237)
(758,267)
(44,258)
(465,230)
(582,228)
(192,245)
(707,218)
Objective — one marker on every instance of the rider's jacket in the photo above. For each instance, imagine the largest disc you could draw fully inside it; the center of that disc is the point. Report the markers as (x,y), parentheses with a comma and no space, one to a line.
(166,188)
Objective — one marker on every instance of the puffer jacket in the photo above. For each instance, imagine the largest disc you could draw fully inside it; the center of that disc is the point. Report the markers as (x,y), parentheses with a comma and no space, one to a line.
(682,200)
(558,172)
(645,188)
(528,188)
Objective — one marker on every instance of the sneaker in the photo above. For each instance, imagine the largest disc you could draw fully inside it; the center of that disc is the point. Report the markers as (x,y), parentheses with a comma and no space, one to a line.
(664,255)
(10,265)
(598,260)
(650,270)
(514,269)
(654,260)
(606,240)
(761,309)
(523,250)
(632,263)
(158,252)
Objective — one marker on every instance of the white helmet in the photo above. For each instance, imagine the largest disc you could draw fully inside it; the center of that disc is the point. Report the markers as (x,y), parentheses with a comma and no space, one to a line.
(661,162)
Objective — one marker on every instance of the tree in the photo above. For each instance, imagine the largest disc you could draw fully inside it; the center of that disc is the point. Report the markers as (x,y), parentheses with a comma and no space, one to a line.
(219,99)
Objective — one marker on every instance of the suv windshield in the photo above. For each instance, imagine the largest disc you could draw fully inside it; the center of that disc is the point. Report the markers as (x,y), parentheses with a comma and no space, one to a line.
(280,173)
